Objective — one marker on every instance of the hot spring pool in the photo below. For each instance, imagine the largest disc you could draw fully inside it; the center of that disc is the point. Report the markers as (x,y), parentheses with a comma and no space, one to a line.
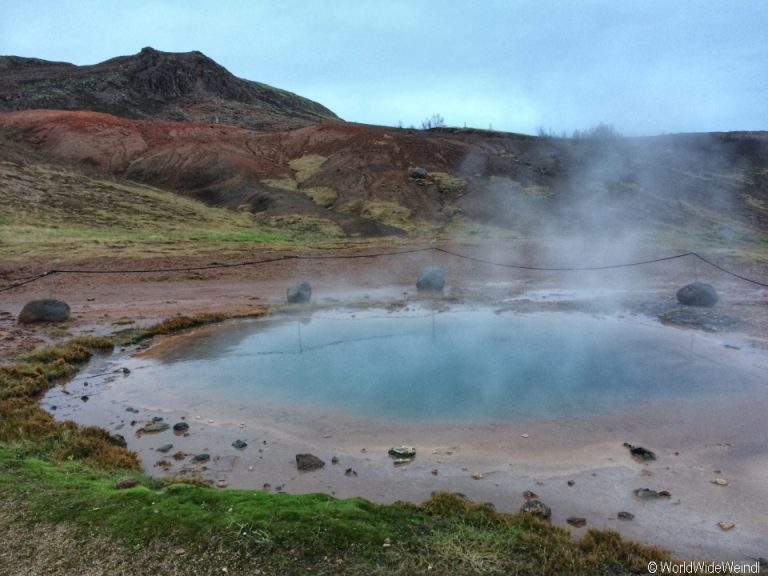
(469,365)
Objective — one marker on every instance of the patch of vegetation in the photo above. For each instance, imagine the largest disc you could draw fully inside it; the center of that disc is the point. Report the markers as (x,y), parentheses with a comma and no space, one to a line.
(322,195)
(307,166)
(390,213)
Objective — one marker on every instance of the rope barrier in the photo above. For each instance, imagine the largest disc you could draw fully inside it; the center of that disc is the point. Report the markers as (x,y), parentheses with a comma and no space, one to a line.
(31,279)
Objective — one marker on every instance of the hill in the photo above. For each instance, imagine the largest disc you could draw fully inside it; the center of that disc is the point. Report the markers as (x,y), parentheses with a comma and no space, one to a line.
(154,84)
(342,179)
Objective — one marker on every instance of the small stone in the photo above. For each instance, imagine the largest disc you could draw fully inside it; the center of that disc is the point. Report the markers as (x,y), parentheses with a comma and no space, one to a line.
(725,526)
(350,472)
(640,453)
(571,482)
(434,471)
(577,521)
(221,483)
(477,476)
(155,427)
(334,460)
(402,461)
(627,516)
(308,462)
(387,543)
(201,457)
(524,436)
(180,427)
(179,551)
(165,448)
(84,398)
(720,481)
(239,444)
(648,494)
(403,452)
(537,508)
(127,483)
(179,456)
(528,495)
(250,468)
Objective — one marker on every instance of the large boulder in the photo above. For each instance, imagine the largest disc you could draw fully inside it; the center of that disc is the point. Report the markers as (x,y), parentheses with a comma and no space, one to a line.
(431,279)
(299,293)
(697,294)
(47,310)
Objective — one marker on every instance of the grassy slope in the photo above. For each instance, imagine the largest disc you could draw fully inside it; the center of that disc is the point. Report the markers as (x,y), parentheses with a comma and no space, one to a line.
(49,210)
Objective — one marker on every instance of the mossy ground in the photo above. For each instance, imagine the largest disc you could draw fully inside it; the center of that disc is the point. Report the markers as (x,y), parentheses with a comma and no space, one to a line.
(61,477)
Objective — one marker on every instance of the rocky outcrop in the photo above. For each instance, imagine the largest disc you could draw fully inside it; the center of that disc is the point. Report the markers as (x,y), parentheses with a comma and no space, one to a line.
(697,294)
(46,310)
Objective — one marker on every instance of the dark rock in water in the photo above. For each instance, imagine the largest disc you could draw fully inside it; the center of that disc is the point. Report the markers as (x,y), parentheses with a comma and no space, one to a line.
(117,440)
(165,448)
(419,173)
(537,508)
(154,427)
(640,453)
(239,444)
(84,398)
(577,521)
(625,516)
(697,294)
(201,457)
(299,293)
(47,310)
(127,483)
(180,427)
(431,279)
(308,462)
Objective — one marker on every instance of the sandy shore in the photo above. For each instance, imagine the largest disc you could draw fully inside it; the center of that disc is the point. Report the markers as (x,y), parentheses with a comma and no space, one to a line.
(697,441)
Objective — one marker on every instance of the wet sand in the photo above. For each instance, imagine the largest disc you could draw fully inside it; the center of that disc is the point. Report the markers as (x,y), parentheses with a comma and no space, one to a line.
(697,440)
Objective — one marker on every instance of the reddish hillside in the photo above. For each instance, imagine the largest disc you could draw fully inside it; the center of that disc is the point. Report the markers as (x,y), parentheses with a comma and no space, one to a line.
(361,179)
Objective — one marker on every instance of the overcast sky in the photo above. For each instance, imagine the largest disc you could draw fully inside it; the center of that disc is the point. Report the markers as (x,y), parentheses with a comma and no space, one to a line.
(644,66)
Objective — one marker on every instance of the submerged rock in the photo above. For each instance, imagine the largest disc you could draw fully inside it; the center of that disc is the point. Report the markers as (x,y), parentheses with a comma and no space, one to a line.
(299,293)
(537,508)
(431,279)
(576,521)
(239,444)
(308,462)
(627,516)
(165,448)
(697,294)
(180,427)
(46,310)
(201,457)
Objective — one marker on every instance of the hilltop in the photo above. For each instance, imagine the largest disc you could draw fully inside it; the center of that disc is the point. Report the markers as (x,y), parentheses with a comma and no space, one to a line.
(154,85)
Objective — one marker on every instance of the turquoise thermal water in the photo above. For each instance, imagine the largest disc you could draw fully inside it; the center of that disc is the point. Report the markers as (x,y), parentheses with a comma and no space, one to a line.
(467,365)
